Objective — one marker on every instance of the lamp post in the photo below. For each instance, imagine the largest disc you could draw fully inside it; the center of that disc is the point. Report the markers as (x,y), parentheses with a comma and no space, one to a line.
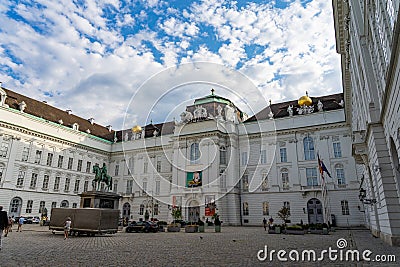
(362,196)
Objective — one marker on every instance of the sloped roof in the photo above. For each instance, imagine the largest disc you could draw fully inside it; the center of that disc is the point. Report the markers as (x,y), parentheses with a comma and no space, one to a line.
(50,113)
(330,102)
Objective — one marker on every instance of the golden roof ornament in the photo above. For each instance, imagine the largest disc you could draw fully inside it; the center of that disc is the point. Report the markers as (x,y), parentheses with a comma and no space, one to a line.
(305,100)
(137,129)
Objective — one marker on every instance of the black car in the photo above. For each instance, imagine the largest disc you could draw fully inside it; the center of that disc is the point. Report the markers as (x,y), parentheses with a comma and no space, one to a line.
(145,227)
(181,222)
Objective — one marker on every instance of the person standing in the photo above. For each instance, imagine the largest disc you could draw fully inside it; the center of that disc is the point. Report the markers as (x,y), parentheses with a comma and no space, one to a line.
(3,224)
(265,224)
(67,227)
(9,226)
(21,221)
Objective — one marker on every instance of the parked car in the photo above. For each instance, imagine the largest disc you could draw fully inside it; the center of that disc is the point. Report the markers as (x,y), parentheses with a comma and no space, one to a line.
(28,220)
(142,227)
(36,220)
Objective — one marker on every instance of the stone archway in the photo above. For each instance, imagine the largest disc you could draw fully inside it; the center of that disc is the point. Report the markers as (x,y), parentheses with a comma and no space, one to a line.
(314,210)
(193,211)
(15,207)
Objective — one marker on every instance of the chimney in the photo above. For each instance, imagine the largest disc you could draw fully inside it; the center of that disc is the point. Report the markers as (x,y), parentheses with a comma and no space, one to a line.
(44,101)
(109,127)
(69,111)
(91,120)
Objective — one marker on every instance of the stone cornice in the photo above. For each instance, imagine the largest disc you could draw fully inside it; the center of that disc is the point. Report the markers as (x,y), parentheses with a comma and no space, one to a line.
(32,133)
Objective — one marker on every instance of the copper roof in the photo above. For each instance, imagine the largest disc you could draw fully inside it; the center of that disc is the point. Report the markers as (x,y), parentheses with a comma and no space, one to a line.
(50,113)
(279,110)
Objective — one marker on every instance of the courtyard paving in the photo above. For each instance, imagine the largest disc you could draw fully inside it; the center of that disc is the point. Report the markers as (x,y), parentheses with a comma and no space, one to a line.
(234,246)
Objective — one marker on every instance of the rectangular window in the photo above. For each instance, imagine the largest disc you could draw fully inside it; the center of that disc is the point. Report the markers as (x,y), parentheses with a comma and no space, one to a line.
(38,156)
(33,180)
(265,208)
(158,166)
(54,204)
(243,160)
(115,186)
(286,204)
(337,151)
(340,176)
(76,187)
(1,172)
(88,165)
(46,179)
(263,159)
(25,154)
(85,186)
(67,183)
(116,170)
(79,167)
(283,154)
(158,187)
(156,209)
(29,205)
(60,161)
(42,205)
(74,205)
(70,162)
(49,159)
(57,183)
(222,156)
(245,183)
(285,180)
(345,207)
(145,166)
(222,177)
(245,208)
(144,187)
(21,176)
(129,187)
(311,175)
(4,148)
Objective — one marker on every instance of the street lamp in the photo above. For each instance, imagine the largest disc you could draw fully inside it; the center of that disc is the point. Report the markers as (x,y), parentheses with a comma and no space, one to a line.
(362,196)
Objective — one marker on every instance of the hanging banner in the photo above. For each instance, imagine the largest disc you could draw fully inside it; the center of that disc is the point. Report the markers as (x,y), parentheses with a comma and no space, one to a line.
(194,179)
(210,205)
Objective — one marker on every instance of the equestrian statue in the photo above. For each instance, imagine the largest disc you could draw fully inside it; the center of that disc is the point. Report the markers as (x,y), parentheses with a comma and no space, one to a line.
(101,176)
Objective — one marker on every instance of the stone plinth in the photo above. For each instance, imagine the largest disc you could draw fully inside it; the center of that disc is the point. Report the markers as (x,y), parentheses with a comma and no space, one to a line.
(101,200)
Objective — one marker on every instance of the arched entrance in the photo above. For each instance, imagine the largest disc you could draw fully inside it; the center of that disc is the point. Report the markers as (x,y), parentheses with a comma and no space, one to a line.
(15,207)
(193,211)
(315,214)
(126,211)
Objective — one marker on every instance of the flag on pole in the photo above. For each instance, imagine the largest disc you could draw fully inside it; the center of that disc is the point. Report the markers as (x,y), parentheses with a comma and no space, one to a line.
(322,168)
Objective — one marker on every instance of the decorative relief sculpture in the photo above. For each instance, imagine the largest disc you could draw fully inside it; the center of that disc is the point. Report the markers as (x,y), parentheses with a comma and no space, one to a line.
(290,110)
(186,117)
(22,106)
(320,106)
(200,113)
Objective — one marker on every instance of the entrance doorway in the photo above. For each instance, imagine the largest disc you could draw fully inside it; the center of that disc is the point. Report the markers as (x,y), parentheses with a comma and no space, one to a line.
(194,211)
(315,214)
(126,210)
(15,207)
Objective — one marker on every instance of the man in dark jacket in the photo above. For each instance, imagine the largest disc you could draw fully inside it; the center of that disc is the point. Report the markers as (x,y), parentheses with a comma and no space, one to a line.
(3,224)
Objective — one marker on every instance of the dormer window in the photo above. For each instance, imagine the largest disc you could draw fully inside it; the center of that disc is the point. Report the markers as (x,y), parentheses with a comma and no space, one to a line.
(109,127)
(88,131)
(69,111)
(60,121)
(75,126)
(91,120)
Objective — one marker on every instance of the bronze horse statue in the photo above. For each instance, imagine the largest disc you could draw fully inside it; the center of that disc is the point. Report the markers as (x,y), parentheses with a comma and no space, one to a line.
(101,176)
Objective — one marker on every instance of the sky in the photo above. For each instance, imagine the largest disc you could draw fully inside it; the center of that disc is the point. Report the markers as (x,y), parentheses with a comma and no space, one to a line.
(130,62)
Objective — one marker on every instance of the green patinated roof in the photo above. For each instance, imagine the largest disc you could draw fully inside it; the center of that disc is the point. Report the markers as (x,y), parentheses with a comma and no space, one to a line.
(212,98)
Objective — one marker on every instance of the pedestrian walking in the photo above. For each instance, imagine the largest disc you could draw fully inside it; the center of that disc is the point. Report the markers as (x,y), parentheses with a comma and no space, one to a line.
(21,221)
(265,224)
(9,226)
(3,224)
(67,227)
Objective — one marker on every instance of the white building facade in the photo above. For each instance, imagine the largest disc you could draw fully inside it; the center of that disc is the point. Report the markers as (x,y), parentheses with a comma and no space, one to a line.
(367,38)
(214,160)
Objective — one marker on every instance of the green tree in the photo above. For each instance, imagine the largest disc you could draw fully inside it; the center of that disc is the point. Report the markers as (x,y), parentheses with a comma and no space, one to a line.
(284,214)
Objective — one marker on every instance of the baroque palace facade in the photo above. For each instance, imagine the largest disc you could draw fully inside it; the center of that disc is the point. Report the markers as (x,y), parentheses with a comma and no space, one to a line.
(214,160)
(367,38)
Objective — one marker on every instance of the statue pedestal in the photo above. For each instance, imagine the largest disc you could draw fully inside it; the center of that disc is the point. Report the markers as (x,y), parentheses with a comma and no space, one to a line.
(101,200)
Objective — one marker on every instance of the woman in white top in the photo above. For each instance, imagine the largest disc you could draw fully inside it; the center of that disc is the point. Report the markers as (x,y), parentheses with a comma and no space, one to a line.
(67,227)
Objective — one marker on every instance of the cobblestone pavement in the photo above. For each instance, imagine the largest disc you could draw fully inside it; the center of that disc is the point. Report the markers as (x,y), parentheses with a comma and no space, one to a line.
(234,246)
